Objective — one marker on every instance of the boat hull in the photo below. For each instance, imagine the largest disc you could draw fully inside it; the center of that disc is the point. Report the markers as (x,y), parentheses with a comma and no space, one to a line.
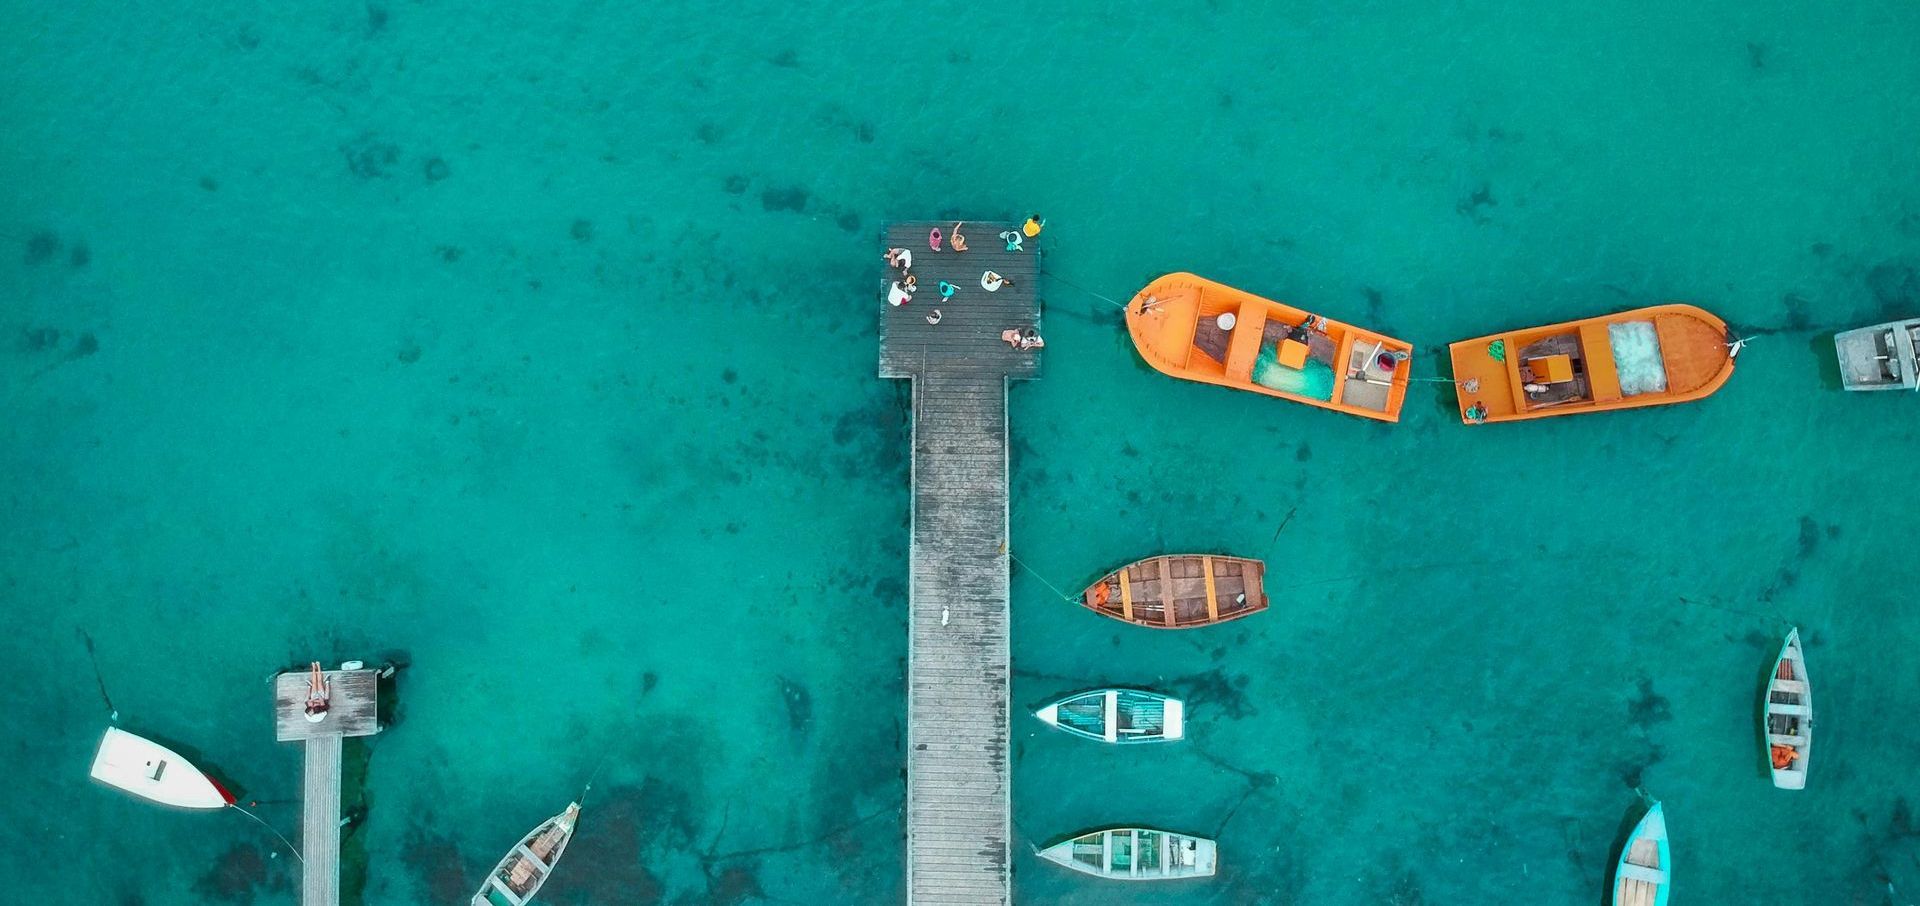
(1136,854)
(1196,329)
(1118,716)
(1786,715)
(1640,876)
(1180,591)
(1881,357)
(152,771)
(1690,344)
(526,867)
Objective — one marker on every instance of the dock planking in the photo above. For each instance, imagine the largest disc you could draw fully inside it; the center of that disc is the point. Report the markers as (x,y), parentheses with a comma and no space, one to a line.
(958,794)
(352,710)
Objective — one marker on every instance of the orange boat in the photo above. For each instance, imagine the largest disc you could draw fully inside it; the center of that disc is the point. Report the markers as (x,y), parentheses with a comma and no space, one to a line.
(1193,328)
(1646,357)
(1180,591)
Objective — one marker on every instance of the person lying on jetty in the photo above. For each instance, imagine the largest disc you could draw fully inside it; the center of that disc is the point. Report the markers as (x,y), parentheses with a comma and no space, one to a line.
(319,692)
(956,241)
(900,258)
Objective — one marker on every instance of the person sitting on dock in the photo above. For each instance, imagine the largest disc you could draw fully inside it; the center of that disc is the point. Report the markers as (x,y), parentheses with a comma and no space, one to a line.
(991,282)
(900,258)
(956,241)
(1013,239)
(319,691)
(1022,338)
(947,290)
(899,294)
(1033,226)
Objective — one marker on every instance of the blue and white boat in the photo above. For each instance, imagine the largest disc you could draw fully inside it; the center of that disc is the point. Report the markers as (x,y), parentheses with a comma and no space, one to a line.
(1640,878)
(1119,716)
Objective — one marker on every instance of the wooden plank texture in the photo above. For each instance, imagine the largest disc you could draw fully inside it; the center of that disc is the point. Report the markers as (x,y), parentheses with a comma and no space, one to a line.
(320,824)
(351,711)
(957,711)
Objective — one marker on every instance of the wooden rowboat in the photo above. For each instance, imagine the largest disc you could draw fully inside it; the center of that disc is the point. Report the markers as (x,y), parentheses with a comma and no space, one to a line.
(1646,357)
(1640,878)
(1120,716)
(152,771)
(1136,854)
(1180,591)
(1193,328)
(1881,357)
(519,875)
(1786,713)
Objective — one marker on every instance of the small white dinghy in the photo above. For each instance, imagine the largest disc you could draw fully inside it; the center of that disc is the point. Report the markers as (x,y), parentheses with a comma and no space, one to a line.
(152,771)
(1787,714)
(519,876)
(1136,854)
(1120,716)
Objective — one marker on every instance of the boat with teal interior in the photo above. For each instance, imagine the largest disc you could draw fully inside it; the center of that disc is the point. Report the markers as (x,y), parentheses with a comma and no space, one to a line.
(1136,854)
(1641,878)
(1119,716)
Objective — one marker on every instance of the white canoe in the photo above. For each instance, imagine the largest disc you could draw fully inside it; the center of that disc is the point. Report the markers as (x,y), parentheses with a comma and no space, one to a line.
(152,771)
(526,867)
(1786,714)
(1136,854)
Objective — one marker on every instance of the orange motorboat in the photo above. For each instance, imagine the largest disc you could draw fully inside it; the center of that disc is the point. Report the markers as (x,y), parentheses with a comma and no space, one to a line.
(1193,328)
(1646,357)
(1180,591)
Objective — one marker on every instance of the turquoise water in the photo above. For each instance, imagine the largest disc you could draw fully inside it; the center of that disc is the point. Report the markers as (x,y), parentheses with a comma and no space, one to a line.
(535,344)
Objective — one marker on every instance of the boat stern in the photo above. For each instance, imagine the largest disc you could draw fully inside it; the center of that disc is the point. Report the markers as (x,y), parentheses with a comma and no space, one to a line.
(1206,859)
(1174,719)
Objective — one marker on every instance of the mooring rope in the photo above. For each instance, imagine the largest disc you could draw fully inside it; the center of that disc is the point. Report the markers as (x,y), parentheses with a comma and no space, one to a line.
(1107,299)
(270,828)
(1036,574)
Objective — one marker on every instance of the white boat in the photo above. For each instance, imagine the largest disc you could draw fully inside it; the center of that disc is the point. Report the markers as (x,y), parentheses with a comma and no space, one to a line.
(1136,854)
(1119,716)
(152,771)
(1641,876)
(519,875)
(1787,714)
(1881,357)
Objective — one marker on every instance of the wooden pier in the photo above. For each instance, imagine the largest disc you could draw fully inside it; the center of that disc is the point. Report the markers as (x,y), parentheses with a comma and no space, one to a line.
(958,799)
(352,710)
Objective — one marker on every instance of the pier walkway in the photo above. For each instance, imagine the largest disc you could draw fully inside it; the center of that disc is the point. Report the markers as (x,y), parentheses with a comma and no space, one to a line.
(957,711)
(352,711)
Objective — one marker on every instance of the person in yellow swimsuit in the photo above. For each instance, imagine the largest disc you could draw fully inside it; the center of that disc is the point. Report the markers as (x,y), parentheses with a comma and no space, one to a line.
(1033,226)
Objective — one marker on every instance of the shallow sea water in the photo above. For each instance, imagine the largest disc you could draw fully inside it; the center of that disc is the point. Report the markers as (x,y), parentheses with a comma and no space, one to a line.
(535,345)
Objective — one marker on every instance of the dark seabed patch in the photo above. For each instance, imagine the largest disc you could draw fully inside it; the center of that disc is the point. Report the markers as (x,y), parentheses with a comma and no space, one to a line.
(1217,691)
(582,230)
(368,157)
(435,861)
(736,184)
(242,872)
(41,247)
(1474,206)
(799,704)
(80,256)
(1648,707)
(789,199)
(435,169)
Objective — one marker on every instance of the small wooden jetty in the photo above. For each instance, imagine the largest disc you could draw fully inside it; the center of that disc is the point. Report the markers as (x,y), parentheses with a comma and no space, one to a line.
(957,663)
(352,711)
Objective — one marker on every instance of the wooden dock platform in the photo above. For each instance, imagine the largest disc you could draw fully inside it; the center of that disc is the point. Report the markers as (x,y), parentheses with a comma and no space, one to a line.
(958,794)
(352,711)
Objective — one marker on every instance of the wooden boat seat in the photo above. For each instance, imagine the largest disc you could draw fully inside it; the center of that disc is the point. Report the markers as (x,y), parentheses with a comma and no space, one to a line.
(1603,374)
(1634,872)
(1779,740)
(1788,685)
(1243,347)
(1789,710)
